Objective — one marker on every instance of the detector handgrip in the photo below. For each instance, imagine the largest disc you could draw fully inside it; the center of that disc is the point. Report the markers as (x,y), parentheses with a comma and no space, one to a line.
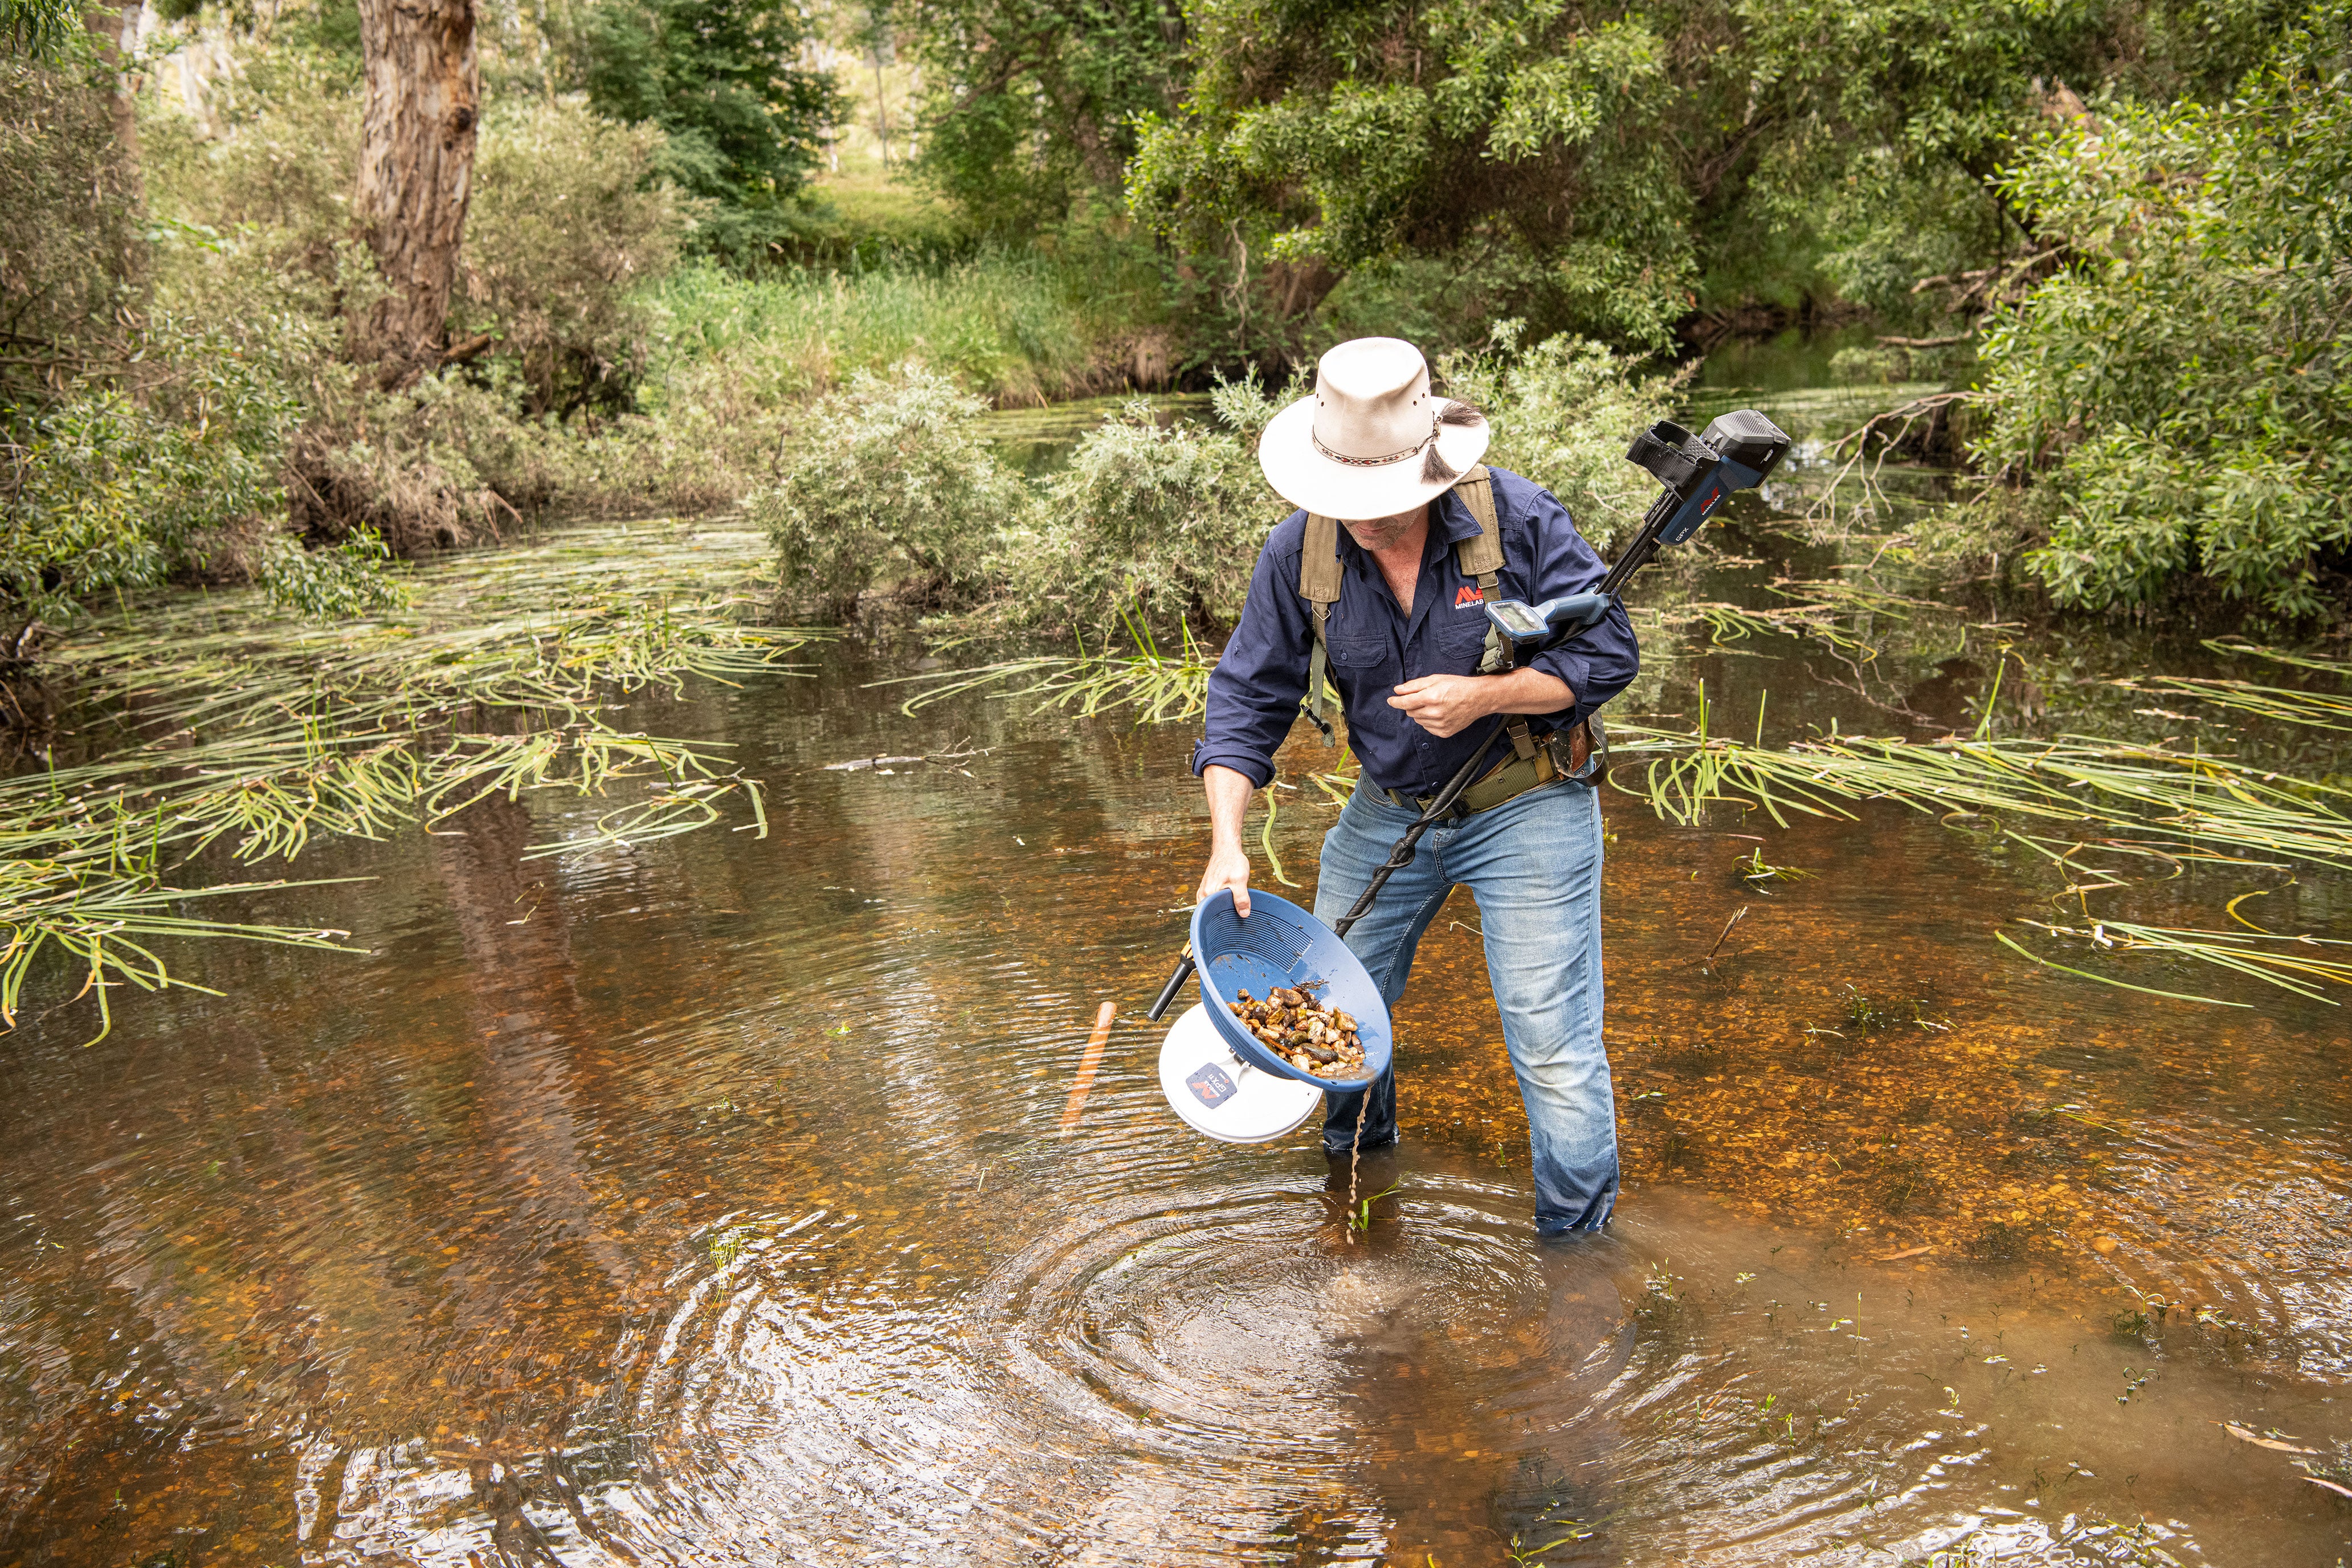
(1184,967)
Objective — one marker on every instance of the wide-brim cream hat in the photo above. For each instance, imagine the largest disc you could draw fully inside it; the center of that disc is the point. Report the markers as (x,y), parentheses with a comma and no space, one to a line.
(1373,440)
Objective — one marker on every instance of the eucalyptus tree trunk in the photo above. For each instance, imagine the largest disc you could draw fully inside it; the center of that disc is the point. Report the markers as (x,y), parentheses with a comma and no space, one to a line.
(416,171)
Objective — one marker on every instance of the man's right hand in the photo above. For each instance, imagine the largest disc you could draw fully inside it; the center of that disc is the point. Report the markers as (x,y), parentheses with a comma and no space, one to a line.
(1226,869)
(1229,792)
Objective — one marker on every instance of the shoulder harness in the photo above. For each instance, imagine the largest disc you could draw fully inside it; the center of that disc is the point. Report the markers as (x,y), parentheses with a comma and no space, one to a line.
(1482,558)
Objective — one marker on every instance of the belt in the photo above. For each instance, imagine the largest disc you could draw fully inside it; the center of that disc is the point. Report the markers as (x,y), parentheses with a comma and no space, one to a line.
(1570,754)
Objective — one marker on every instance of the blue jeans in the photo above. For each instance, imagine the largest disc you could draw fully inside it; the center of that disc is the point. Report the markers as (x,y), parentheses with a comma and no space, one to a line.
(1534,866)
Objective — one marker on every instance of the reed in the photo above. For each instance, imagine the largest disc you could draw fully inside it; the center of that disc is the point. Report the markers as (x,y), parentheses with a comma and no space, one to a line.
(2182,804)
(2241,647)
(2296,963)
(229,724)
(1158,687)
(2073,799)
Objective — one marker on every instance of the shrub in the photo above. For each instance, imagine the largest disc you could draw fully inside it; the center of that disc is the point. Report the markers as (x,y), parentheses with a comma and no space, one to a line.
(886,481)
(262,174)
(67,230)
(108,491)
(1164,522)
(1563,413)
(2179,387)
(566,226)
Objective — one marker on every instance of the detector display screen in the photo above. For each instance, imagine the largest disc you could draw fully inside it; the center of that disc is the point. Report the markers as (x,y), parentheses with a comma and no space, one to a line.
(1516,619)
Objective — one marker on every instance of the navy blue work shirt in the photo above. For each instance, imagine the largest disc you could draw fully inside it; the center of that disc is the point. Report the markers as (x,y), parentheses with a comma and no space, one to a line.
(1260,678)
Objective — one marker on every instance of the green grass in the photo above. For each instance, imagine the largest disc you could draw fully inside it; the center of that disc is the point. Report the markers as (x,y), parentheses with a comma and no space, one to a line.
(1015,327)
(869,212)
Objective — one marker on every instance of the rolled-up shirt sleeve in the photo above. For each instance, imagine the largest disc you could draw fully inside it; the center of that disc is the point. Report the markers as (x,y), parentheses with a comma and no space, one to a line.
(1602,661)
(1254,691)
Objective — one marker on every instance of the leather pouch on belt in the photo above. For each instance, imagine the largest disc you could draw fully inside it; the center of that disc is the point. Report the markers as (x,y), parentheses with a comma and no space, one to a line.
(1581,752)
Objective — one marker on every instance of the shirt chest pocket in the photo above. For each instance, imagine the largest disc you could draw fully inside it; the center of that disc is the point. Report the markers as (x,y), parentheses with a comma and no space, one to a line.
(1462,637)
(1358,653)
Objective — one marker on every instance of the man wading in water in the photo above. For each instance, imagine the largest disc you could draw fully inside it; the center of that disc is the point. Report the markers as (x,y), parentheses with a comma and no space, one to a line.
(1391,599)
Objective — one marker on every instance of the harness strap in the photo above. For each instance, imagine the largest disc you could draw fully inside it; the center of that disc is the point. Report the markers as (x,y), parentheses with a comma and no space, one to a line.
(1318,584)
(1483,557)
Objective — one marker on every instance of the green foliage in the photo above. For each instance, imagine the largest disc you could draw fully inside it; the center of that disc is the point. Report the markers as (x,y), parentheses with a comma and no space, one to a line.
(1621,165)
(1159,525)
(741,126)
(108,491)
(41,30)
(69,225)
(1036,99)
(262,180)
(1881,227)
(886,482)
(567,224)
(1164,522)
(1018,326)
(1337,138)
(339,583)
(1562,414)
(2181,388)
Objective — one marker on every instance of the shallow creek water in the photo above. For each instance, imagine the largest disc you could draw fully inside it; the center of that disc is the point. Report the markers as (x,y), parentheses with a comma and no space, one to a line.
(712,1203)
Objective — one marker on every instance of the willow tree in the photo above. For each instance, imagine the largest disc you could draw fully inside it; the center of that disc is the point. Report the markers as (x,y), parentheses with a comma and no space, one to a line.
(416,171)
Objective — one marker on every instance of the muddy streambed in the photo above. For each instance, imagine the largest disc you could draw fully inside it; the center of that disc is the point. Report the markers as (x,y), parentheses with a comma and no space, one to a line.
(712,1202)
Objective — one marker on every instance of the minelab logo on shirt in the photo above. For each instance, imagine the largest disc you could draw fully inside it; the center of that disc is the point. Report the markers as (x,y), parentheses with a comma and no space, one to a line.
(1468,595)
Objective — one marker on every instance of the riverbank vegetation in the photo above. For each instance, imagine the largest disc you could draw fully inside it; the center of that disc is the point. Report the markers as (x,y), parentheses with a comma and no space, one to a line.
(1152,528)
(2176,392)
(633,278)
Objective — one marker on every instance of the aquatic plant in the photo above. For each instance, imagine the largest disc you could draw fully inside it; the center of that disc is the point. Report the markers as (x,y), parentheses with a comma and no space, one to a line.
(1156,686)
(2291,963)
(2066,798)
(2278,704)
(1359,1213)
(1756,871)
(2144,799)
(255,732)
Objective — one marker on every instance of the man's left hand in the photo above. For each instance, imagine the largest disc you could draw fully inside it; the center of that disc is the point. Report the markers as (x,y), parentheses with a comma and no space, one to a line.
(1446,704)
